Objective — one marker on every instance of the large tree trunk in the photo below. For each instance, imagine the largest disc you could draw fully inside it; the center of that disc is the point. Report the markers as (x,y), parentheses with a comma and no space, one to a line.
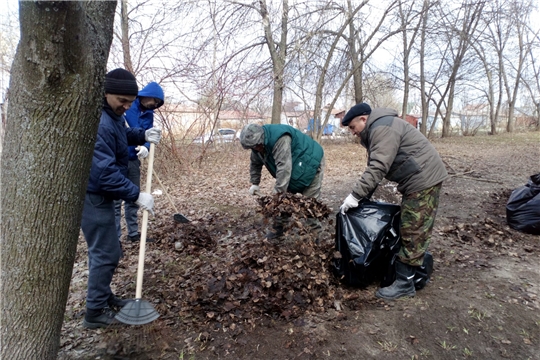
(55,95)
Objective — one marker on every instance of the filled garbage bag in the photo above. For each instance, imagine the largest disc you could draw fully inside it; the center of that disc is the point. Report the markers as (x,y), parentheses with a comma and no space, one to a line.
(523,207)
(367,239)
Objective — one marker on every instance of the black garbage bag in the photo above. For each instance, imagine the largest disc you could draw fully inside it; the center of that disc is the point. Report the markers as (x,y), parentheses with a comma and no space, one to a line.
(367,239)
(523,208)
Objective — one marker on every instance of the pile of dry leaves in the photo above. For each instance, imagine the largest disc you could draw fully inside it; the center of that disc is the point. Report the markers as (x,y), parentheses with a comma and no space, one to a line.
(232,281)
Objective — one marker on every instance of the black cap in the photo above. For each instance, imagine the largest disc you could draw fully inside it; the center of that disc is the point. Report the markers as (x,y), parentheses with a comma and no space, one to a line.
(356,110)
(121,82)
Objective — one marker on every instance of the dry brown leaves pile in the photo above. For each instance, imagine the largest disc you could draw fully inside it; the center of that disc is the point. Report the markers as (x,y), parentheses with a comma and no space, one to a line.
(293,204)
(233,281)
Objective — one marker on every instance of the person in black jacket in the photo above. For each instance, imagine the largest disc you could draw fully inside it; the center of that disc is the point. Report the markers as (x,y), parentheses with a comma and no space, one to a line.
(108,182)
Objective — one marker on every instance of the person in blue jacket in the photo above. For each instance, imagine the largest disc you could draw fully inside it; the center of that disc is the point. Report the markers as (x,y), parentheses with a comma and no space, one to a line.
(139,115)
(108,182)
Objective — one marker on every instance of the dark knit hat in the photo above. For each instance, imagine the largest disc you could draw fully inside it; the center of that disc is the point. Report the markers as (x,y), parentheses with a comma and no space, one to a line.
(356,110)
(251,135)
(121,82)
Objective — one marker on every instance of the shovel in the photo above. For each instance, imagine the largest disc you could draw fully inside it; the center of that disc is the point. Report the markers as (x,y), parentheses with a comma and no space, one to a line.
(179,218)
(140,312)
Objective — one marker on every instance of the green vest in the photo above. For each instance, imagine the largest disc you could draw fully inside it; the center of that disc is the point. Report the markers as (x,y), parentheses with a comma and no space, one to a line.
(306,155)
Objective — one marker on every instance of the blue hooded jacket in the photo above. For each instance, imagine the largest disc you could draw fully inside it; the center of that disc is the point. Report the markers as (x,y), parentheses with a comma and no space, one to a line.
(108,175)
(139,117)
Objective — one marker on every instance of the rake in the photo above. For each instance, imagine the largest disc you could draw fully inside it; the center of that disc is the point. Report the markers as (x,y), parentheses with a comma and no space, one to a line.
(139,311)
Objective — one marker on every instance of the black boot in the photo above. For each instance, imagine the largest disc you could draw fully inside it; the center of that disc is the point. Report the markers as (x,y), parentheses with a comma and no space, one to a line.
(277,228)
(402,286)
(100,318)
(276,233)
(117,303)
(137,237)
(315,229)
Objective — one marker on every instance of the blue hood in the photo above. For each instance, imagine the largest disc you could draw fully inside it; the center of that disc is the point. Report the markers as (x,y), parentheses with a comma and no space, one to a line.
(153,90)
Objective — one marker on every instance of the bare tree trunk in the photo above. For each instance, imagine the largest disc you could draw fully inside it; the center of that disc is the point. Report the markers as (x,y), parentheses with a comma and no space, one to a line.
(356,63)
(521,11)
(470,23)
(317,110)
(359,54)
(55,95)
(124,20)
(406,19)
(278,54)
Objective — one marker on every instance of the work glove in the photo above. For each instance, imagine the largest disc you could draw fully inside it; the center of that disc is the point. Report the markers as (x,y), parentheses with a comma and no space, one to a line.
(153,135)
(349,203)
(146,202)
(142,152)
(255,190)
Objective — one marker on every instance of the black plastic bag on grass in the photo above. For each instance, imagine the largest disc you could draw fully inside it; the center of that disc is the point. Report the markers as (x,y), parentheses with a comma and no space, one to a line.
(367,239)
(523,207)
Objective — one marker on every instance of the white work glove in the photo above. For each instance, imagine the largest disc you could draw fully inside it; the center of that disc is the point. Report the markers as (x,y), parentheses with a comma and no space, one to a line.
(349,203)
(142,152)
(153,135)
(146,202)
(255,190)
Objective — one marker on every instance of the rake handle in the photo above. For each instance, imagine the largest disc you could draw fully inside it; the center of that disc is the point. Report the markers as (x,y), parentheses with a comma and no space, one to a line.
(165,191)
(144,226)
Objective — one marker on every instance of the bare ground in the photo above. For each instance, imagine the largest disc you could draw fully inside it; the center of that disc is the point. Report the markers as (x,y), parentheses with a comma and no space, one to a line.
(482,302)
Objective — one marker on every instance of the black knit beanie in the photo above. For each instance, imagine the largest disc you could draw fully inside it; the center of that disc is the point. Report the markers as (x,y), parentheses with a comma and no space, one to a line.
(121,82)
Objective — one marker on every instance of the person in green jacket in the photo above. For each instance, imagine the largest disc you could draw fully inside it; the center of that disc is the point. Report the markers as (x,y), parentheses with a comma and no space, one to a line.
(398,152)
(294,159)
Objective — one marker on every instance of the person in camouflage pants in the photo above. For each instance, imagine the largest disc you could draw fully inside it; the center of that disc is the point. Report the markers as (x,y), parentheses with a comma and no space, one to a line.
(398,152)
(418,211)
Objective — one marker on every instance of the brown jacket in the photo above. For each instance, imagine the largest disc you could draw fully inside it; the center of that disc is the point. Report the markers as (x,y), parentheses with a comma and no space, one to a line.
(398,152)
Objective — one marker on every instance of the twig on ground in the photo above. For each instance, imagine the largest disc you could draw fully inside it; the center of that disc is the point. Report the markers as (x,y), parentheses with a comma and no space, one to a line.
(450,168)
(461,174)
(483,180)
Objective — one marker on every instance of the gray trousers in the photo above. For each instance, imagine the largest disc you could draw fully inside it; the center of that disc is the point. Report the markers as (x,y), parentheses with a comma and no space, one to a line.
(314,189)
(104,251)
(130,208)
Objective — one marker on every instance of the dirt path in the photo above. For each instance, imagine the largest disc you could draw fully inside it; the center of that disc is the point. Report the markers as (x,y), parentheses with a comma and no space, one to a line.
(482,302)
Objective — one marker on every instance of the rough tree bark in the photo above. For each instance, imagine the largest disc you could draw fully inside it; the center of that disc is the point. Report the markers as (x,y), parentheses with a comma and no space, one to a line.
(55,91)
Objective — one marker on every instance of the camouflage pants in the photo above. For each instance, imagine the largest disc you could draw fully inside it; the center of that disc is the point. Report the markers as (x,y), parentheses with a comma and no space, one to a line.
(418,211)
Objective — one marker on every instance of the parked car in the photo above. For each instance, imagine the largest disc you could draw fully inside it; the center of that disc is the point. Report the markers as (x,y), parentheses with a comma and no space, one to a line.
(220,136)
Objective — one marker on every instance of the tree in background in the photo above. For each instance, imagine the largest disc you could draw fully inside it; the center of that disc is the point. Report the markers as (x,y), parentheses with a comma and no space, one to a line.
(56,92)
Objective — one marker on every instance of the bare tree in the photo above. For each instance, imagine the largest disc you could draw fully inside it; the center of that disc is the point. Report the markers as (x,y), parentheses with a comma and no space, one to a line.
(124,25)
(495,38)
(469,23)
(56,91)
(531,76)
(363,44)
(519,11)
(278,54)
(411,24)
(423,98)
